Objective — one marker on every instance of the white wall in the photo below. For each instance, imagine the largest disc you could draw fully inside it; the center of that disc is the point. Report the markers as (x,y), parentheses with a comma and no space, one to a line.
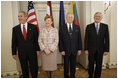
(8,64)
(113,36)
(84,19)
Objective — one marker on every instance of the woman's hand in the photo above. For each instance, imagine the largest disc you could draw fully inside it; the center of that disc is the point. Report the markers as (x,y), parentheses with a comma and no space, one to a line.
(47,51)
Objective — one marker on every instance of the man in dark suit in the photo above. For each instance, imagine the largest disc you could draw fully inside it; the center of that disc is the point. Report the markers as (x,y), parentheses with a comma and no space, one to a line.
(25,40)
(70,45)
(96,44)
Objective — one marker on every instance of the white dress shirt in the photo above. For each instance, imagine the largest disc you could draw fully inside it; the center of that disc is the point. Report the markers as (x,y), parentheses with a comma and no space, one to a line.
(98,25)
(69,26)
(25,27)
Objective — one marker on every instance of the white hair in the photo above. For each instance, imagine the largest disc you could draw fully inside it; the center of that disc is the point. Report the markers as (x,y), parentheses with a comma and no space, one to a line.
(97,13)
(69,13)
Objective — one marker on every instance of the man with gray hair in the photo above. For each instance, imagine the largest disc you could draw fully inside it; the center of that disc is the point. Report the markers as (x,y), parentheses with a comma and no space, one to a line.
(96,44)
(70,45)
(25,40)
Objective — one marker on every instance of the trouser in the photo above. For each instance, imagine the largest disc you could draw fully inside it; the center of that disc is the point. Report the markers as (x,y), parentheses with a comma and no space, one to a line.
(95,57)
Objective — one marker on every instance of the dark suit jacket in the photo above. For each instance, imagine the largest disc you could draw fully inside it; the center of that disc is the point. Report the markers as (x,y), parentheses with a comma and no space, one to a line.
(68,44)
(98,42)
(30,44)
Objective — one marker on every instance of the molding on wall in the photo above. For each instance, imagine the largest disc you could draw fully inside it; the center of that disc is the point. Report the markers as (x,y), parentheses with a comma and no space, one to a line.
(53,2)
(112,65)
(11,74)
(104,66)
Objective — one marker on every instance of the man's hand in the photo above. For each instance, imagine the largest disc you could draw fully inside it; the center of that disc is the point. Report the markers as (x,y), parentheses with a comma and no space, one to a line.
(86,52)
(38,53)
(63,53)
(47,52)
(14,57)
(105,53)
(79,52)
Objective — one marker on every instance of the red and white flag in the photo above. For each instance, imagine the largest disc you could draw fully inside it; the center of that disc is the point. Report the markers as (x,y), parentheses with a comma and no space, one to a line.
(49,10)
(31,15)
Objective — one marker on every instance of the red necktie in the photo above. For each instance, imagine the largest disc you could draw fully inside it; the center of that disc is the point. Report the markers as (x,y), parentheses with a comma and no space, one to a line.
(24,32)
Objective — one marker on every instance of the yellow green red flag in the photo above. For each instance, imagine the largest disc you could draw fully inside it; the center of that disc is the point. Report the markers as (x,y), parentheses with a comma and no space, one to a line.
(74,11)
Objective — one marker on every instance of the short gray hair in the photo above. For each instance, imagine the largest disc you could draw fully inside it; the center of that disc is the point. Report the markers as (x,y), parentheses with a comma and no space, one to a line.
(69,13)
(97,13)
(23,13)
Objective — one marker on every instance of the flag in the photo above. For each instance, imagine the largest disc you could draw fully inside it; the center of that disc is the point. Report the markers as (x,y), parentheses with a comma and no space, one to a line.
(31,15)
(49,10)
(62,15)
(61,21)
(74,11)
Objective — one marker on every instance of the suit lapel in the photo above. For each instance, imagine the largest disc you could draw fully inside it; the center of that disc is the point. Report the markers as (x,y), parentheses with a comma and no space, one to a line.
(73,29)
(20,32)
(27,30)
(94,29)
(66,29)
(100,28)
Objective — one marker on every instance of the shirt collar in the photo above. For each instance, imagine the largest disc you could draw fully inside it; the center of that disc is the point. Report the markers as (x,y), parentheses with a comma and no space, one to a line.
(24,24)
(97,23)
(69,24)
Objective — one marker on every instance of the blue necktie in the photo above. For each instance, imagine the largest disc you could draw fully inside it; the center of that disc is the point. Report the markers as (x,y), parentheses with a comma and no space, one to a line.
(97,29)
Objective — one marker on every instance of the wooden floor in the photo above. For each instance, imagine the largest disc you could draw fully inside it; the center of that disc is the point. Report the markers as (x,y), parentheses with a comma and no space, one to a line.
(80,73)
